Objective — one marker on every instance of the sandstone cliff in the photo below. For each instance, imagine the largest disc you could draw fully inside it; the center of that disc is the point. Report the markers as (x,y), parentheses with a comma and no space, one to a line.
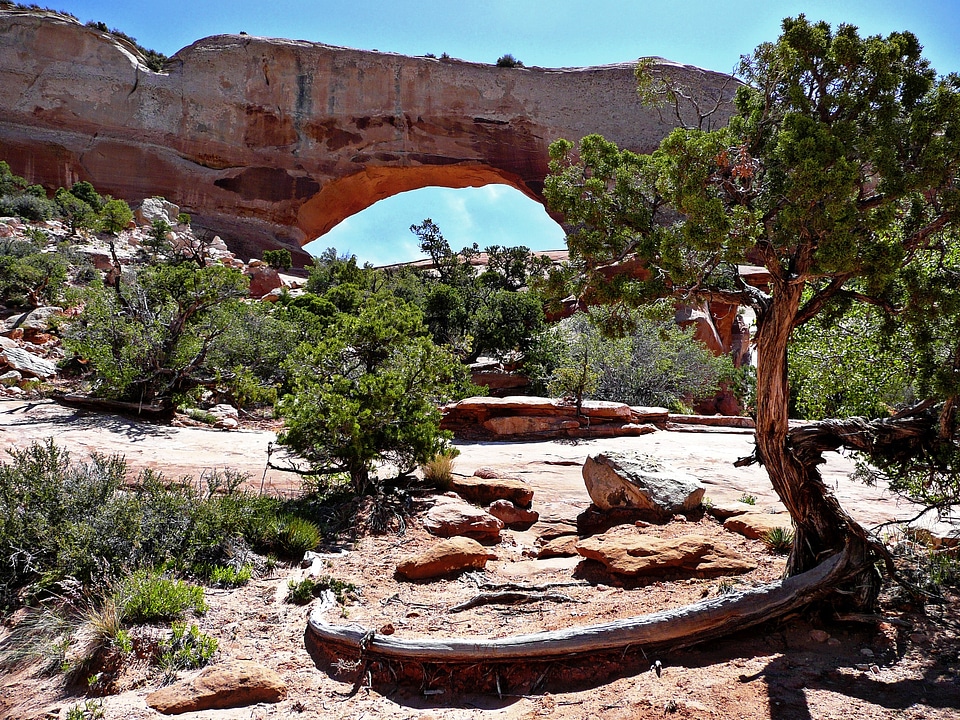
(276,141)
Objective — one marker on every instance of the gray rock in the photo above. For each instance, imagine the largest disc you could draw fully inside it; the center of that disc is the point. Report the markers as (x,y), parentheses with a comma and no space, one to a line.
(26,363)
(156,209)
(11,378)
(624,480)
(35,319)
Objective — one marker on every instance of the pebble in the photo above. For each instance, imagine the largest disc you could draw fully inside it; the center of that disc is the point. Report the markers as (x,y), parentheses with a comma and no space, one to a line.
(866,652)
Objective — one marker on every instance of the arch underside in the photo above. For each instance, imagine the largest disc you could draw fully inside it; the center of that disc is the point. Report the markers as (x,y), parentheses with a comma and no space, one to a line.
(339,199)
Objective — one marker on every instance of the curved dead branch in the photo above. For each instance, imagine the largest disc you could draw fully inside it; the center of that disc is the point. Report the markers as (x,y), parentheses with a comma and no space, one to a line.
(680,627)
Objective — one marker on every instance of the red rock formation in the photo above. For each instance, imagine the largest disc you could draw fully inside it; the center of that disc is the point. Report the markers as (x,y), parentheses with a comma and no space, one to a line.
(274,142)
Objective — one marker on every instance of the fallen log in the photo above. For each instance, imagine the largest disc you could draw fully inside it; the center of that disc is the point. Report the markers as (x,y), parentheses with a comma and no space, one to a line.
(680,627)
(161,412)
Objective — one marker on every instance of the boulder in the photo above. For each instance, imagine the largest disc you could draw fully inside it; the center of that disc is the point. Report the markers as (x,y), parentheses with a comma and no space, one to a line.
(626,551)
(622,480)
(263,280)
(228,418)
(563,546)
(27,363)
(511,515)
(484,491)
(156,208)
(757,524)
(445,557)
(10,378)
(236,683)
(452,517)
(36,319)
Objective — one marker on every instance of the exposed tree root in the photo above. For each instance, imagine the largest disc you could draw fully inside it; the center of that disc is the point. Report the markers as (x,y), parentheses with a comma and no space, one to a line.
(681,627)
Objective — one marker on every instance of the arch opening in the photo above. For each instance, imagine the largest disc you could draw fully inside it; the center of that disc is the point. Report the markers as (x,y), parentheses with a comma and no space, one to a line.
(369,214)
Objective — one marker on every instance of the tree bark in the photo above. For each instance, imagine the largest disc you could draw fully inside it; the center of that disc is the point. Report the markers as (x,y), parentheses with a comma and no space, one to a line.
(822,527)
(677,628)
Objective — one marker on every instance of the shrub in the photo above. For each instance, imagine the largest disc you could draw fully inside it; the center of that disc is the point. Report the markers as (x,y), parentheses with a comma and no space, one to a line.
(278,259)
(748,499)
(89,710)
(146,597)
(296,535)
(439,471)
(186,649)
(779,540)
(303,591)
(226,576)
(29,207)
(508,61)
(183,219)
(115,215)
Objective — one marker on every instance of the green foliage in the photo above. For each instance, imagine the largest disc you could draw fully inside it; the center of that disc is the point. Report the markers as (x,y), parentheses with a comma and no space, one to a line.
(225,576)
(747,499)
(296,535)
(115,215)
(84,191)
(655,363)
(778,540)
(28,207)
(186,648)
(300,592)
(508,61)
(30,277)
(61,519)
(368,392)
(183,219)
(10,184)
(78,213)
(146,597)
(89,710)
(149,337)
(278,259)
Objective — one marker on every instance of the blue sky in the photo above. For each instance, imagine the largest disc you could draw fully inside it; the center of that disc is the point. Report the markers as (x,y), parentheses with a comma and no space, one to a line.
(548,33)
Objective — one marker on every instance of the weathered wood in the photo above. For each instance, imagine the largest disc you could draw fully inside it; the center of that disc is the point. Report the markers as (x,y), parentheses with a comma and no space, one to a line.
(680,627)
(83,402)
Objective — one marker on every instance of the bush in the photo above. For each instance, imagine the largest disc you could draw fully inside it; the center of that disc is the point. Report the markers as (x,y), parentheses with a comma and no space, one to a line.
(508,61)
(303,591)
(29,207)
(296,536)
(186,649)
(778,540)
(439,471)
(278,259)
(146,597)
(115,216)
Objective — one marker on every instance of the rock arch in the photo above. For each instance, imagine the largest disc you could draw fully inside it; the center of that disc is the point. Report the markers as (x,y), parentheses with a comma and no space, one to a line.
(275,141)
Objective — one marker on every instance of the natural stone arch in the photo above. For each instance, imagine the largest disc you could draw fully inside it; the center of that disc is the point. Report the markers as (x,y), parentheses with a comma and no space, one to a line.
(271,142)
(341,198)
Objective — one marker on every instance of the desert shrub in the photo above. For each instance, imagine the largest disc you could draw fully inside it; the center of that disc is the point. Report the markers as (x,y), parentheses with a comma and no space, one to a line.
(225,576)
(748,499)
(295,535)
(29,207)
(778,540)
(279,259)
(88,710)
(300,592)
(508,61)
(115,215)
(147,597)
(439,470)
(186,648)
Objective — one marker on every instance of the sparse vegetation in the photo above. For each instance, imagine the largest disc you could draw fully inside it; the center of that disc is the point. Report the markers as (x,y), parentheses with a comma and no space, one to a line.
(438,471)
(186,649)
(748,499)
(778,540)
(147,597)
(508,61)
(303,591)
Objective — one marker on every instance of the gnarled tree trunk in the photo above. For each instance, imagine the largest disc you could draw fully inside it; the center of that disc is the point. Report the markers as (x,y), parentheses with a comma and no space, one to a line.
(822,526)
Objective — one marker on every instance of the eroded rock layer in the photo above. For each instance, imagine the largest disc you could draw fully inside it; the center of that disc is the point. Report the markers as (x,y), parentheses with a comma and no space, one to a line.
(276,141)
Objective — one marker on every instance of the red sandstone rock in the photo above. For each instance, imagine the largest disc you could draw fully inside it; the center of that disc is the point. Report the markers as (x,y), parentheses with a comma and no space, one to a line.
(485,490)
(511,515)
(273,142)
(451,517)
(231,684)
(757,524)
(626,551)
(447,556)
(263,280)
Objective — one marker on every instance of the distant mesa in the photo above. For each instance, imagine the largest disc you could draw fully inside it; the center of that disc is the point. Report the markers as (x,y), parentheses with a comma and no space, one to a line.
(273,142)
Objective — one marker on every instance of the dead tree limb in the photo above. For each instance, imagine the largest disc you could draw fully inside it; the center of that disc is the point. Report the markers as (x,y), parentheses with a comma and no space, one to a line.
(681,627)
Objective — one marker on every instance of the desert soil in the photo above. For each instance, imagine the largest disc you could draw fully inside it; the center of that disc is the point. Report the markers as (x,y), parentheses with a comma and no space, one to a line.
(905,665)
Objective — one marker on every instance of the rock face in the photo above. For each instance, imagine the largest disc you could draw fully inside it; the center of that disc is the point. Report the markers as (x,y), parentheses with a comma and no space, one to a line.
(228,685)
(273,142)
(447,556)
(621,480)
(626,551)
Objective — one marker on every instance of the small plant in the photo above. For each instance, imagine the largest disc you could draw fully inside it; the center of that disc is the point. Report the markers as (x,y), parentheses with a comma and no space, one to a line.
(186,649)
(89,710)
(748,499)
(226,576)
(303,591)
(201,416)
(183,219)
(779,540)
(725,587)
(147,597)
(439,471)
(707,503)
(296,535)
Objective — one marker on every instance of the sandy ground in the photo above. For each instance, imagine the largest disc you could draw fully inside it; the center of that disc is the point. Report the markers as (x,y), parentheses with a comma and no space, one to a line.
(904,667)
